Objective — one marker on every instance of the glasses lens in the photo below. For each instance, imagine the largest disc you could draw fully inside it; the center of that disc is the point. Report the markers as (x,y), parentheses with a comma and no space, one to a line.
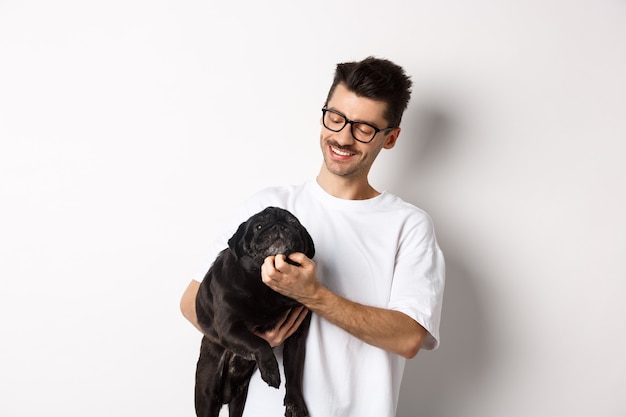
(363,132)
(334,121)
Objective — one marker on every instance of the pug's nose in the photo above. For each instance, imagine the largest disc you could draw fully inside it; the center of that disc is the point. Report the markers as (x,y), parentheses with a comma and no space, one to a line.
(279,228)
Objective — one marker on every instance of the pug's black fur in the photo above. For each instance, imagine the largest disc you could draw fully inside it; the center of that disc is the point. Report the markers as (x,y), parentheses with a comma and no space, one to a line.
(233,302)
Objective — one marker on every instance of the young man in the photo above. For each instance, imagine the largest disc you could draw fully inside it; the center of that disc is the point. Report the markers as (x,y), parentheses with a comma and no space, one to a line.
(376,285)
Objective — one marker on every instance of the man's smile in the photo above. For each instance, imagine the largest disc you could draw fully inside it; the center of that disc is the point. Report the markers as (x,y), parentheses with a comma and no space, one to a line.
(340,153)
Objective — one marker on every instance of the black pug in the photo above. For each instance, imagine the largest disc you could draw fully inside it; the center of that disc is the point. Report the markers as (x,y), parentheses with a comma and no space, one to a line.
(233,302)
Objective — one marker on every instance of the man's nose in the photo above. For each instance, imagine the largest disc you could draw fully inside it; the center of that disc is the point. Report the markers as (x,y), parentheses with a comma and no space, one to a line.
(344,136)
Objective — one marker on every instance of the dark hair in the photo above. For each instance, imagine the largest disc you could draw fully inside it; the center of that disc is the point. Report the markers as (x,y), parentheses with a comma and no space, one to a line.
(376,79)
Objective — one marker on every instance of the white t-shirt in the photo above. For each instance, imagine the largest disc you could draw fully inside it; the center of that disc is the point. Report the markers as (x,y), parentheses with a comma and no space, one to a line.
(380,252)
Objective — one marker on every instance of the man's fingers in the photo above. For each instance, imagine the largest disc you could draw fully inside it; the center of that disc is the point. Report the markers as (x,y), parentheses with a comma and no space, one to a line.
(299,319)
(280,263)
(287,326)
(269,272)
(269,262)
(298,257)
(290,317)
(284,318)
(295,318)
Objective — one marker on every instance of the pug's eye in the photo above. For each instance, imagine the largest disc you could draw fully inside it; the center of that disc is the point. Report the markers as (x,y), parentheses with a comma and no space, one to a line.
(259,226)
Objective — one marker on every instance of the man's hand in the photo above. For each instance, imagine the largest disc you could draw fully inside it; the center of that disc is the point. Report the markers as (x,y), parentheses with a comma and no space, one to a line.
(286,327)
(293,281)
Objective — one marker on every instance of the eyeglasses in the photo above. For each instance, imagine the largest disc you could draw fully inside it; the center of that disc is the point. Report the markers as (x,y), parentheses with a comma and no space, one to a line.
(361,131)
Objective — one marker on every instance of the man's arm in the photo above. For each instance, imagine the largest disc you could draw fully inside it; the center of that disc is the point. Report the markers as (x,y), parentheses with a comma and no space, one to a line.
(188,303)
(387,329)
(285,328)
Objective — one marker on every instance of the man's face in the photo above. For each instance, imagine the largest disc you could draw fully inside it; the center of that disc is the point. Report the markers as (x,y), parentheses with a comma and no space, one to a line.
(343,155)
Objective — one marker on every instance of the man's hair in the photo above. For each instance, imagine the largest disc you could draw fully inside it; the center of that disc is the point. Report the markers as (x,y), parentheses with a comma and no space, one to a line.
(376,79)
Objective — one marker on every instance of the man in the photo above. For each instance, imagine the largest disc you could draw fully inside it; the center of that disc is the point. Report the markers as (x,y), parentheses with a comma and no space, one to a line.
(376,285)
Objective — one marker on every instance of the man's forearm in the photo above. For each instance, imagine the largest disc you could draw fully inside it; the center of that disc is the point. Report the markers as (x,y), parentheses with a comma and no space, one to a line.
(188,304)
(387,329)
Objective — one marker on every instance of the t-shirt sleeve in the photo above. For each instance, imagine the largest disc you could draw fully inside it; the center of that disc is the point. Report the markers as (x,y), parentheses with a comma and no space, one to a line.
(419,280)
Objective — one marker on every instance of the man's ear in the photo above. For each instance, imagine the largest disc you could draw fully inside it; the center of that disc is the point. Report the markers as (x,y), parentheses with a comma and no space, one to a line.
(391,138)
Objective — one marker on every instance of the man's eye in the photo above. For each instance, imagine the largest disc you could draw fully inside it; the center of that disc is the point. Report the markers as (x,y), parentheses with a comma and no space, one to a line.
(365,129)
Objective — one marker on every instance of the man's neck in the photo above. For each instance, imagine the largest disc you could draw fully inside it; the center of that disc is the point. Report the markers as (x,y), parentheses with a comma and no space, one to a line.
(346,188)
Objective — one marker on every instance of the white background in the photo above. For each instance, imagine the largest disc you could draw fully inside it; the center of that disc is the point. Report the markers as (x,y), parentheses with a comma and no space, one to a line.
(131,129)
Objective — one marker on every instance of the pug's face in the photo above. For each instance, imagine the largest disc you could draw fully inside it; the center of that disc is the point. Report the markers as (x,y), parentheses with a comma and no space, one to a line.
(272,231)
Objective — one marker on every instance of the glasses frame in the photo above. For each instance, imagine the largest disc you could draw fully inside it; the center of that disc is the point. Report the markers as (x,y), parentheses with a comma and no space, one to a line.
(351,123)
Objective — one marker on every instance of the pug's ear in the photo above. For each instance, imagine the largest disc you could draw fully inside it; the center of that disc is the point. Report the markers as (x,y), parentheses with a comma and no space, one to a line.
(310,253)
(235,243)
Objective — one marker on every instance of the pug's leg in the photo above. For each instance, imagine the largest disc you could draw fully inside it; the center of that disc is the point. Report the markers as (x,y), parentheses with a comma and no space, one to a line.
(293,360)
(209,382)
(240,373)
(242,342)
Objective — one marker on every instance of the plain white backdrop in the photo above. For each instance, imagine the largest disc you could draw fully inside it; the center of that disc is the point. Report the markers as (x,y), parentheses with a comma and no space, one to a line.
(131,129)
